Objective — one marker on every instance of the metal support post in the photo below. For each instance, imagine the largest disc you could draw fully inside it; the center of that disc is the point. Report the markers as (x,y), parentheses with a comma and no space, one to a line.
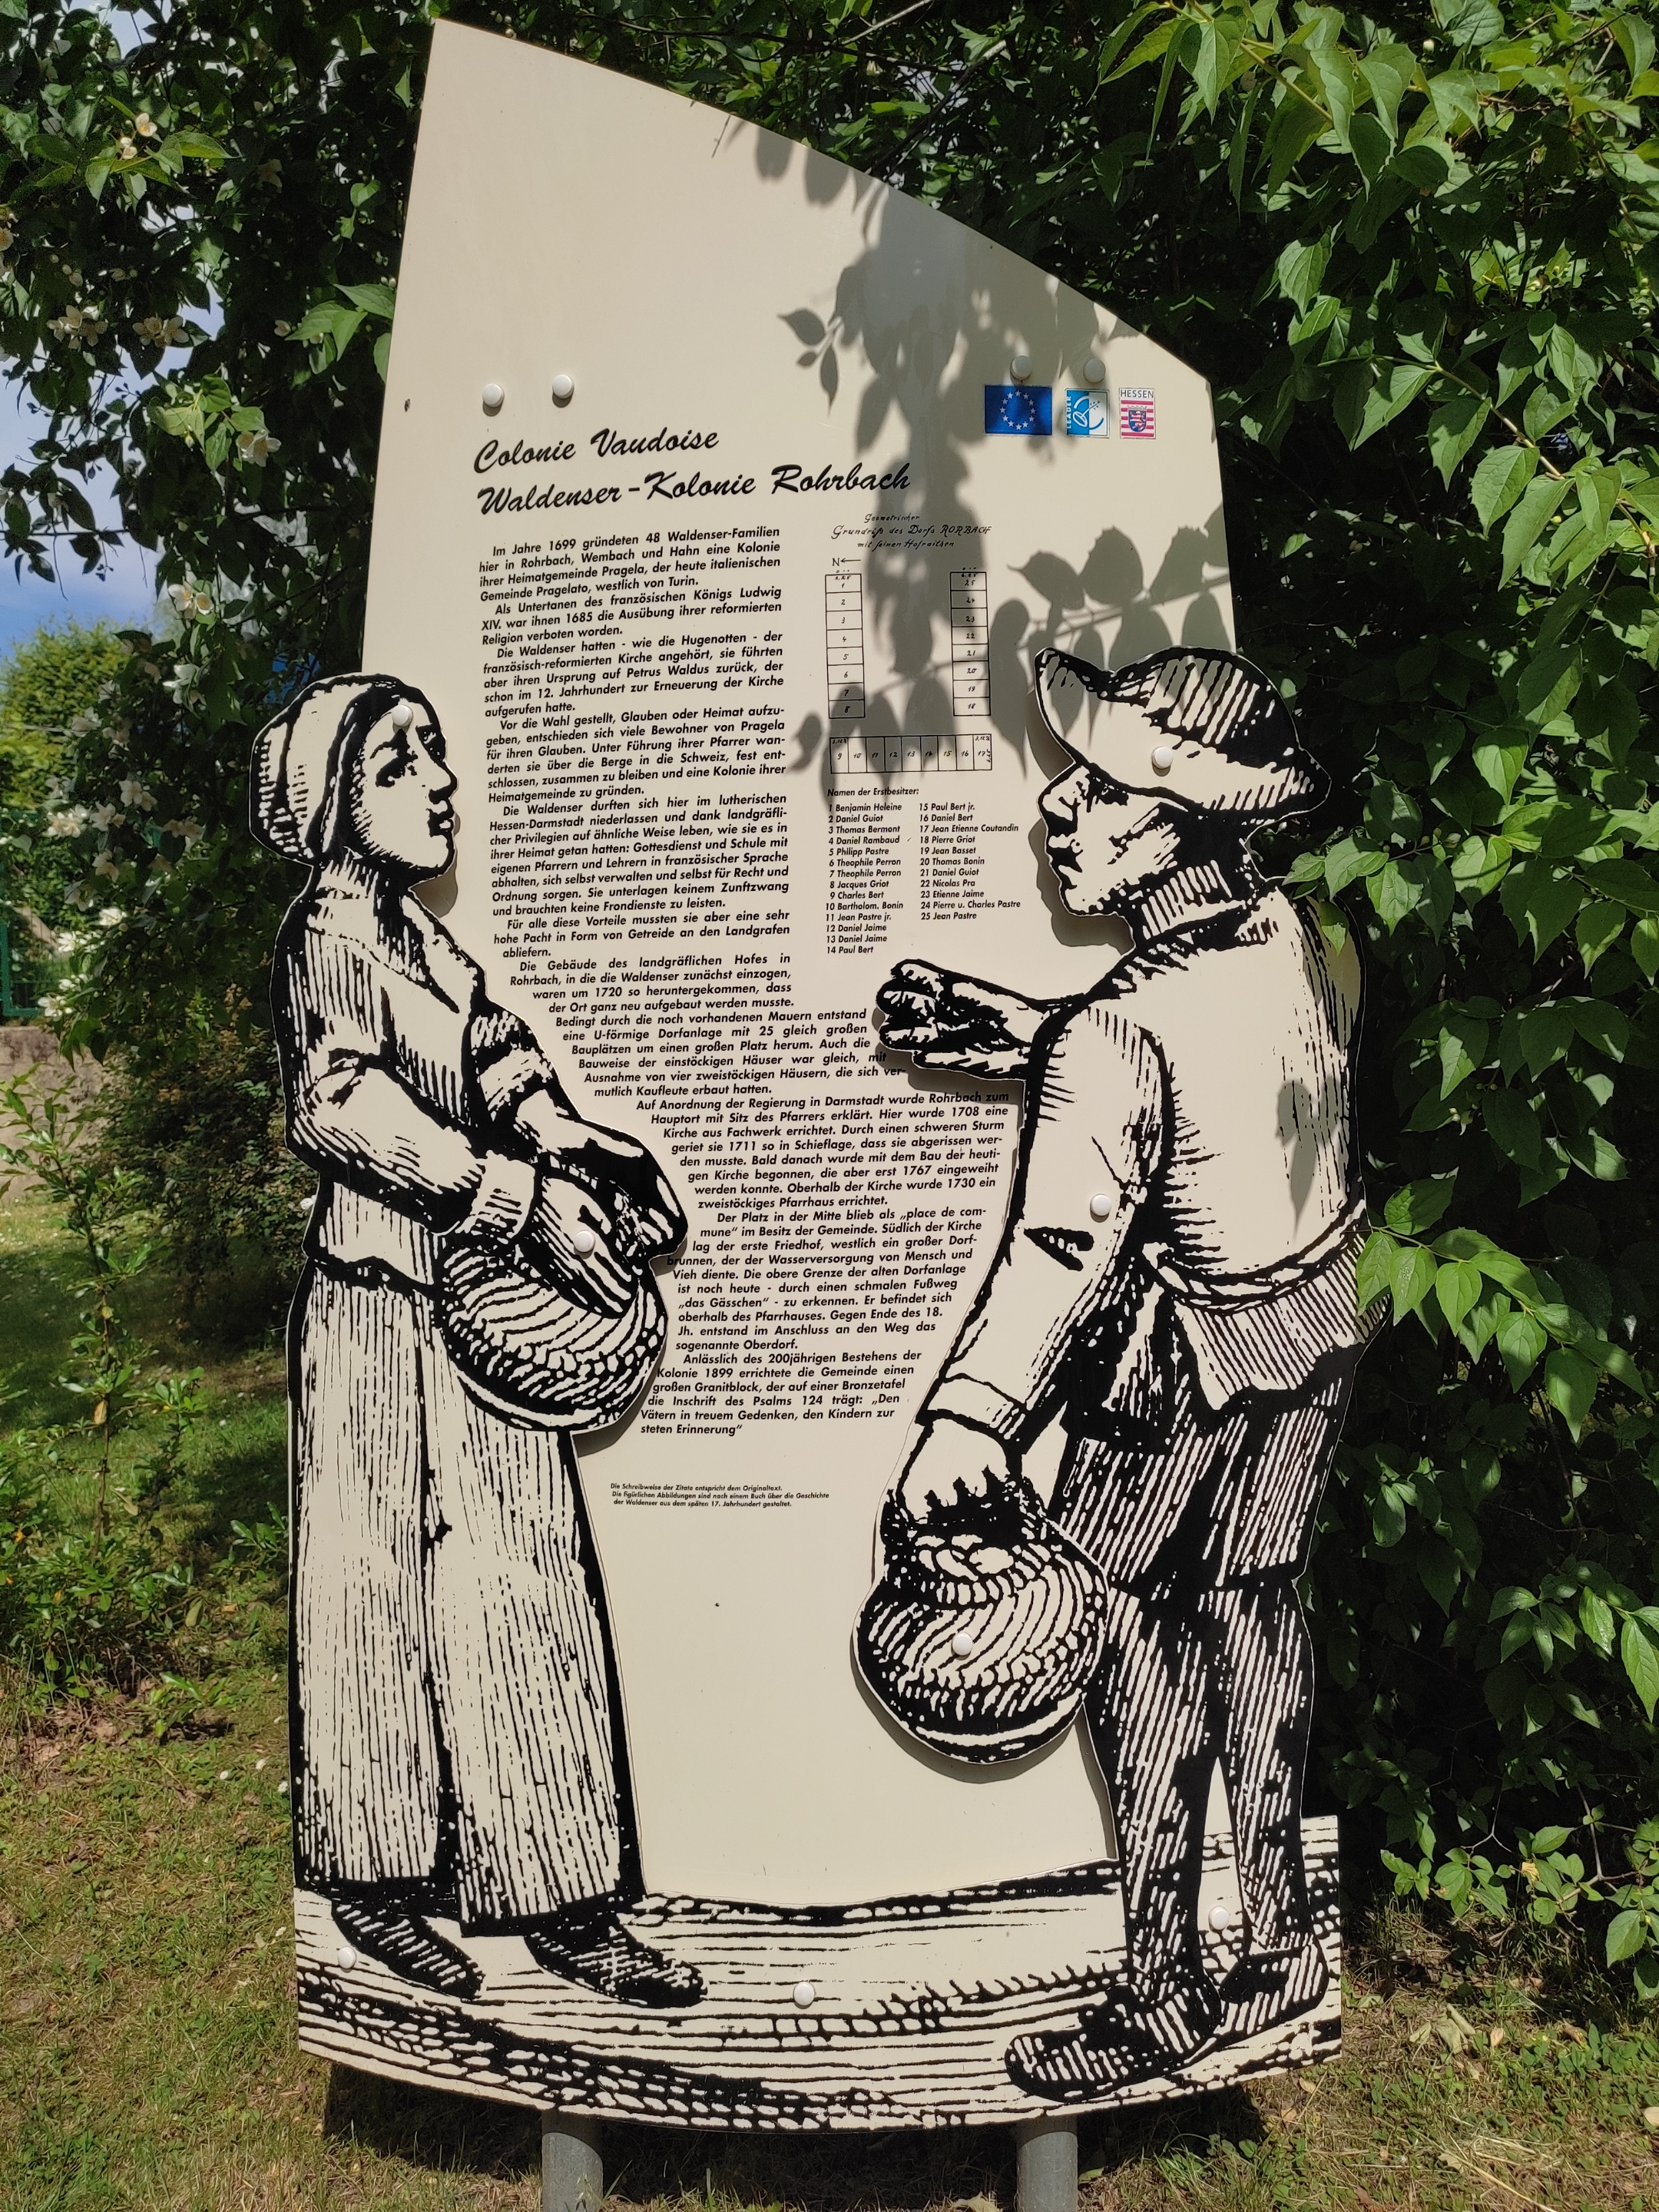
(1048,2164)
(573,2172)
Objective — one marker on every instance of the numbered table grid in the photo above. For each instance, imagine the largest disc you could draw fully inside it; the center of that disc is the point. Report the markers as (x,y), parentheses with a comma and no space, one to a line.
(968,752)
(970,665)
(843,639)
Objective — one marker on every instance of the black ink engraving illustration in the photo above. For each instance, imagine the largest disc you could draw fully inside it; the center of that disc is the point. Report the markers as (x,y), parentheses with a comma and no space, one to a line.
(1175,1286)
(479,1284)
(795,1529)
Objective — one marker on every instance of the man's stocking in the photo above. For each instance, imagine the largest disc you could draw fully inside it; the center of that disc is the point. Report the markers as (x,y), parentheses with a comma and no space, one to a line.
(1149,1720)
(1264,1667)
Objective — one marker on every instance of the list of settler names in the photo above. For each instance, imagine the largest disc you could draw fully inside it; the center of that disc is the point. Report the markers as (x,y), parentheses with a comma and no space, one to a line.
(640,878)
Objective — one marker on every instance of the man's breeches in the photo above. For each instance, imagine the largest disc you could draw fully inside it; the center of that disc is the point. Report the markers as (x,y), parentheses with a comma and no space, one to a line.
(447,1615)
(1207,1656)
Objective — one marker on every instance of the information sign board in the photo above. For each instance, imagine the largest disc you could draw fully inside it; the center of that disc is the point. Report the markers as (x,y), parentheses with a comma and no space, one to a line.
(728,503)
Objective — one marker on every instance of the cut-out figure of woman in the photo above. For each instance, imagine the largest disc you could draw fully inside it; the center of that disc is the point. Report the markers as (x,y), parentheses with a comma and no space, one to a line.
(1175,1284)
(458,1731)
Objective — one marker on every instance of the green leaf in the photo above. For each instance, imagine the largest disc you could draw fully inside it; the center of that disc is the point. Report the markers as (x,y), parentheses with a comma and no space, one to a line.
(1521,1341)
(1419,1206)
(1300,269)
(1645,946)
(1345,860)
(1549,681)
(1637,1649)
(1537,503)
(1456,1286)
(1499,481)
(1513,1124)
(1498,765)
(1469,22)
(1478,863)
(1634,39)
(1388,1514)
(1397,388)
(1570,1383)
(1414,1272)
(1625,881)
(1540,901)
(373,298)
(1374,1275)
(1626,1935)
(1453,429)
(1601,1025)
(1438,1572)
(1464,1043)
(1597,929)
(1595,1618)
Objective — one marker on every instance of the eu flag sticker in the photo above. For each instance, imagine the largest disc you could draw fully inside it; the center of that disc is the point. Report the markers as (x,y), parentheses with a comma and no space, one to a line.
(1088,415)
(1018,411)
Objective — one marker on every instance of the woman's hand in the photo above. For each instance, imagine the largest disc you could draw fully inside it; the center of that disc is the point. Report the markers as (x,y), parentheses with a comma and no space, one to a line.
(612,1160)
(950,1463)
(945,1020)
(583,1248)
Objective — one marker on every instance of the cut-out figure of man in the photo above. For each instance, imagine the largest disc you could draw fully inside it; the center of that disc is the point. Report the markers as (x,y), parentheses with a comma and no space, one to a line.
(1176,1283)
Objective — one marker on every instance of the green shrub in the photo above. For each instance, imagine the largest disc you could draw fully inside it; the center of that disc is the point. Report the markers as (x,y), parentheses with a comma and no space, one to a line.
(200,1132)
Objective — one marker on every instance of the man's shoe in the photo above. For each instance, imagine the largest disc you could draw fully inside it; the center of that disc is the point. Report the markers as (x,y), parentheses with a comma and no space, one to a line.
(1117,2044)
(1267,1988)
(591,1946)
(402,1941)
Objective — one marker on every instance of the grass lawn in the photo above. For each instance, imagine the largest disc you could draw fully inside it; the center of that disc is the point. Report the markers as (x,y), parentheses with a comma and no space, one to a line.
(147,2050)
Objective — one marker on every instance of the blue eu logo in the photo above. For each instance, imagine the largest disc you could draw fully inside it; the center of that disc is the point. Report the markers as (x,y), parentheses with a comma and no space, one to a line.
(1018,411)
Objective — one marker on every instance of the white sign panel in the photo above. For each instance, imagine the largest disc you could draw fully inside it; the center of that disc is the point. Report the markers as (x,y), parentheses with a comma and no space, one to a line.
(727,501)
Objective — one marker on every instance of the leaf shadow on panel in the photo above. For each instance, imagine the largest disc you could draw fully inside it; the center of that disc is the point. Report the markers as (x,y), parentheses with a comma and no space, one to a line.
(914,357)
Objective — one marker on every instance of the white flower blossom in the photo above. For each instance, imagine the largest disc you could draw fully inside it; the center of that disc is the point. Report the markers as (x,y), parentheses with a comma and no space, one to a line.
(68,824)
(109,915)
(80,325)
(142,125)
(188,829)
(257,447)
(105,864)
(133,793)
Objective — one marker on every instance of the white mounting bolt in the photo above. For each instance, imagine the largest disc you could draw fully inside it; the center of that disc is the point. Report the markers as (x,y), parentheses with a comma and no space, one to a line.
(1094,370)
(1020,367)
(563,388)
(492,395)
(345,1956)
(1100,1206)
(962,1644)
(1162,759)
(806,1994)
(402,714)
(585,1241)
(1221,1916)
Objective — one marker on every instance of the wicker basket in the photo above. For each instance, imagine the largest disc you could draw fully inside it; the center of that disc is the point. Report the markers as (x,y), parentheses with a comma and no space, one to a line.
(528,1350)
(986,1627)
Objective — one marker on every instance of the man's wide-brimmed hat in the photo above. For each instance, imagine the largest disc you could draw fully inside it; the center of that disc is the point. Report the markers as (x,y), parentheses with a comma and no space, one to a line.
(1221,739)
(295,789)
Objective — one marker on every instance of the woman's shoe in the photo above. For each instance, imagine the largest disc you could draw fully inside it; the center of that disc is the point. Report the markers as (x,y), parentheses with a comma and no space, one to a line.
(590,1945)
(401,1940)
